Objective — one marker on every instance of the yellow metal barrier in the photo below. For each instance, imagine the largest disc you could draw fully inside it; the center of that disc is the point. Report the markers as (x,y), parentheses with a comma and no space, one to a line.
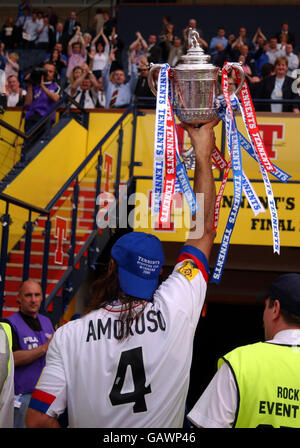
(10,144)
(39,182)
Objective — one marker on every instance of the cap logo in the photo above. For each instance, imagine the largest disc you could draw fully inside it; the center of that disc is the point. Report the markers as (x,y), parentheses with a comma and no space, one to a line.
(146,266)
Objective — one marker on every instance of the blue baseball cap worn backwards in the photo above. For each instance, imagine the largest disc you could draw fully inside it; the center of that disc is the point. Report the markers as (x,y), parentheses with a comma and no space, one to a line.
(140,258)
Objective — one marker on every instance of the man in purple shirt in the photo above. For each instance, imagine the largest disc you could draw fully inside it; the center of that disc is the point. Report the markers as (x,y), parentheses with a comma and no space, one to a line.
(39,99)
(31,334)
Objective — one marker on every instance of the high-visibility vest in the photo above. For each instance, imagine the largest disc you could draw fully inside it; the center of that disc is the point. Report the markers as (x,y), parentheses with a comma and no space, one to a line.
(267,379)
(5,352)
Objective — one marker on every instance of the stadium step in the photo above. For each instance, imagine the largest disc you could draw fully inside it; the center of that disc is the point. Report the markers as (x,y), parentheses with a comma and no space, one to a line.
(63,209)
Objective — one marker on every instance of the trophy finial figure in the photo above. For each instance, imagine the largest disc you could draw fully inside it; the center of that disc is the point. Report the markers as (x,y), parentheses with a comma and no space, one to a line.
(193,37)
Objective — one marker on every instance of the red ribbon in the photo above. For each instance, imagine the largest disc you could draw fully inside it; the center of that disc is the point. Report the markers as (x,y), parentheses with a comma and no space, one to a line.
(250,116)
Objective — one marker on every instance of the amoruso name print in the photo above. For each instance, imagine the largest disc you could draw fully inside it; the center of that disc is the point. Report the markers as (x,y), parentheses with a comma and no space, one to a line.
(152,321)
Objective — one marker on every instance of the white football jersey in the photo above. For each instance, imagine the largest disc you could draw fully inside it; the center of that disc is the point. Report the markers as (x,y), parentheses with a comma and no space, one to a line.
(141,381)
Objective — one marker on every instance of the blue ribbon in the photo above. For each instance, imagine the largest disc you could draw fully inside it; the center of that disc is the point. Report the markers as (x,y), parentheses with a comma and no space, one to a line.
(234,148)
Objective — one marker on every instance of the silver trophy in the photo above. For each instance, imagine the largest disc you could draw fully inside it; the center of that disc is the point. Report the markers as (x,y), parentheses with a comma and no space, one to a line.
(193,87)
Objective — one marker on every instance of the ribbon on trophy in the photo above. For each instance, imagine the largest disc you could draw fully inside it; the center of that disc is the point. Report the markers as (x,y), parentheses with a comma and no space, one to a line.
(169,172)
(256,149)
(235,162)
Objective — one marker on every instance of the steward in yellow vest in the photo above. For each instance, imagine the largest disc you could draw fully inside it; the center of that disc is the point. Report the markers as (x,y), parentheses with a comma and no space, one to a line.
(267,379)
(258,385)
(6,377)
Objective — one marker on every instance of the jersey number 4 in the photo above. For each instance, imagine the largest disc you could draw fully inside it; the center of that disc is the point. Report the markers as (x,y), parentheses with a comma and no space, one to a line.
(134,359)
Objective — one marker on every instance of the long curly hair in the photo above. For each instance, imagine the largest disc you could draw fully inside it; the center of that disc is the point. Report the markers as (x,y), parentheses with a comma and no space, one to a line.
(106,289)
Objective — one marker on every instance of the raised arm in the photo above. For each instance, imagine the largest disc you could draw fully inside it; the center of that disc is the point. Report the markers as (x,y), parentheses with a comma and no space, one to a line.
(78,81)
(106,41)
(203,141)
(101,33)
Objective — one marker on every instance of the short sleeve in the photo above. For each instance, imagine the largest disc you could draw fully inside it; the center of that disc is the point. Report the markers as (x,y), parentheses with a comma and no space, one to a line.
(216,408)
(50,394)
(192,253)
(184,290)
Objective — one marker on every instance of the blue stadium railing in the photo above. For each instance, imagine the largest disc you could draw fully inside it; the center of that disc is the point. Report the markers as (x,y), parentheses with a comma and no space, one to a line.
(72,182)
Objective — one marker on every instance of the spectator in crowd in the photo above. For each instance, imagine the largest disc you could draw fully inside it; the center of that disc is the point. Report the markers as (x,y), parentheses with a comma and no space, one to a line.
(76,51)
(30,31)
(101,93)
(274,52)
(2,56)
(138,43)
(40,18)
(255,85)
(87,37)
(118,92)
(220,56)
(242,38)
(247,385)
(116,45)
(58,46)
(8,33)
(137,49)
(76,73)
(98,20)
(192,24)
(153,51)
(87,93)
(219,38)
(25,5)
(109,23)
(58,37)
(278,86)
(52,16)
(176,50)
(258,39)
(14,93)
(285,30)
(45,37)
(71,26)
(245,66)
(20,22)
(31,334)
(165,40)
(249,60)
(165,21)
(293,60)
(232,85)
(261,57)
(267,70)
(99,53)
(59,62)
(12,66)
(142,89)
(40,97)
(282,42)
(238,43)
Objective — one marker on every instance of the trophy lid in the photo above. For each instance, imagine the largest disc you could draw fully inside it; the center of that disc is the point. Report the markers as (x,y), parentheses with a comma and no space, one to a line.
(195,59)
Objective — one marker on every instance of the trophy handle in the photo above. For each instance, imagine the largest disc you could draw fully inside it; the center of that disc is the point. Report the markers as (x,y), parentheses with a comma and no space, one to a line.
(151,77)
(239,67)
